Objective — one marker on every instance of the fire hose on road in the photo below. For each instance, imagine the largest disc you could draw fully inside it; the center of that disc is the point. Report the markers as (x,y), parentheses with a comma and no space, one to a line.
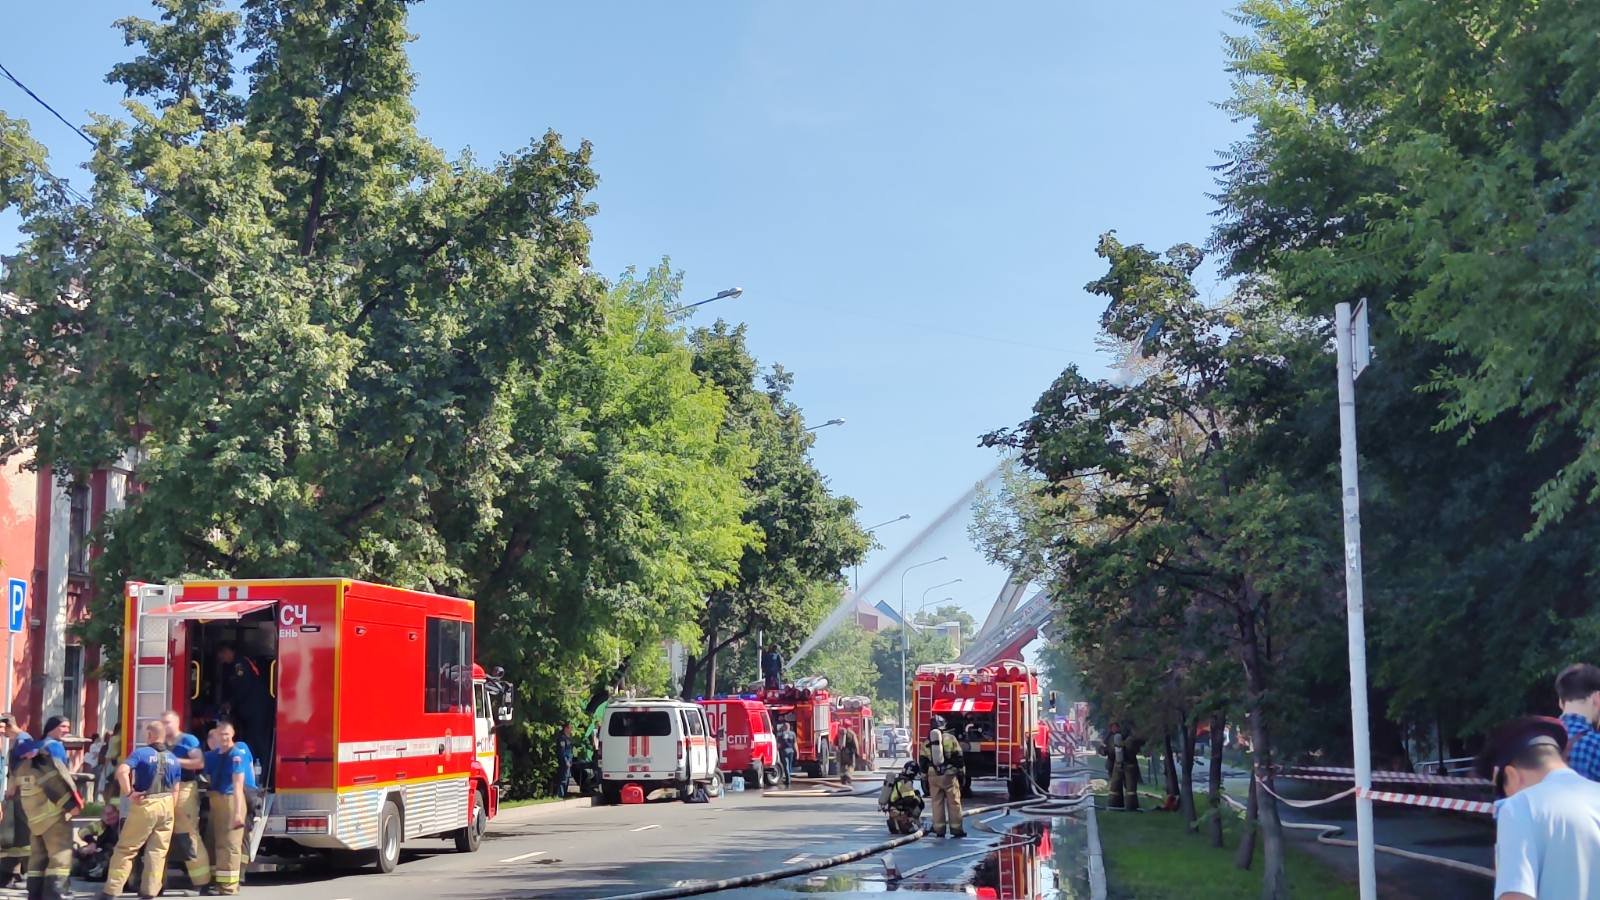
(754,878)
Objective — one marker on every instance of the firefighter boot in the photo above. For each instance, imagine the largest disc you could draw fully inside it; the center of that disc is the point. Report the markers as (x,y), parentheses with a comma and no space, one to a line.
(35,887)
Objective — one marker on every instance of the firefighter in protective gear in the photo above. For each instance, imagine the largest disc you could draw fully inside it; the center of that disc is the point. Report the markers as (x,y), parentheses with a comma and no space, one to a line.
(49,800)
(900,799)
(14,822)
(942,766)
(186,843)
(231,770)
(147,778)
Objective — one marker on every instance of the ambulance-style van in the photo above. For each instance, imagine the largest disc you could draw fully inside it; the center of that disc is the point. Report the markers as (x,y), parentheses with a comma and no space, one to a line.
(657,743)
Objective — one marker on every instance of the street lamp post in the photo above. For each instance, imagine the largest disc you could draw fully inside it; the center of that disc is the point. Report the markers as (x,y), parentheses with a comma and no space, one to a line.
(856,589)
(905,634)
(923,603)
(732,293)
(826,424)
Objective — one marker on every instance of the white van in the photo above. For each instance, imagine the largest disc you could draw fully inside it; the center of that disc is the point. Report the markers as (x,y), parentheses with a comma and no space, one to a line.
(657,744)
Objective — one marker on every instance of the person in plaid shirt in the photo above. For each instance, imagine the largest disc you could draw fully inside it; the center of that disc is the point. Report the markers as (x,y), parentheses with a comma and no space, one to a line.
(1578,689)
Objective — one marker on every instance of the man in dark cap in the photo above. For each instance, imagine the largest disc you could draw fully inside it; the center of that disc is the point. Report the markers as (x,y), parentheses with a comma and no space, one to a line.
(1547,827)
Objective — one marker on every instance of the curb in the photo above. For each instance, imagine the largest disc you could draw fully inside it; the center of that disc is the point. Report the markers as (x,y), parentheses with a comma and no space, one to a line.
(1097,861)
(534,811)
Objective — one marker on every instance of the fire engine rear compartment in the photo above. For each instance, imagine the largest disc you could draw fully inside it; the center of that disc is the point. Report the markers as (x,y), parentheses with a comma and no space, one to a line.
(254,638)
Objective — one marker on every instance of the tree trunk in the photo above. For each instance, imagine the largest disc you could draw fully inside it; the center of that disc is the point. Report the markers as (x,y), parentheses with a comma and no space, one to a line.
(1255,653)
(1186,780)
(711,666)
(1247,841)
(1171,766)
(691,672)
(1214,789)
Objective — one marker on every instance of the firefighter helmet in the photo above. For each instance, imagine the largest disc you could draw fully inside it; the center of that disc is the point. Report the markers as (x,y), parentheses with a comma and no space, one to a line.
(937,722)
(910,771)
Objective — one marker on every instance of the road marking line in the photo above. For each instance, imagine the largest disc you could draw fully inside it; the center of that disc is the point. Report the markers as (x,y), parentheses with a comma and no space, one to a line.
(794,859)
(644,828)
(524,856)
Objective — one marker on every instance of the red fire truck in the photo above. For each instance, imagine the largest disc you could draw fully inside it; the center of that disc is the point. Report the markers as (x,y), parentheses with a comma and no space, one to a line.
(379,726)
(855,713)
(994,711)
(743,729)
(806,705)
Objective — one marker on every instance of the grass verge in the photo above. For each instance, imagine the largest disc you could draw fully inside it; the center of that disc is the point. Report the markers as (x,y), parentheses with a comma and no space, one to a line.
(1150,856)
(529,801)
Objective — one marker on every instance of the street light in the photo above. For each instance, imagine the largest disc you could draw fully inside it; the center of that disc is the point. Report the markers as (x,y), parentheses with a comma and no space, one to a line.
(924,600)
(900,518)
(905,633)
(826,424)
(732,293)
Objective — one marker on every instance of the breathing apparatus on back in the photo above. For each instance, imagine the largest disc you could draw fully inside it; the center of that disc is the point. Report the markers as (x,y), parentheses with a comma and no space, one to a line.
(936,746)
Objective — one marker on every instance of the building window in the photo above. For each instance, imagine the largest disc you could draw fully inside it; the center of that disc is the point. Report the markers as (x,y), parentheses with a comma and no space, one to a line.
(78,522)
(72,686)
(448,667)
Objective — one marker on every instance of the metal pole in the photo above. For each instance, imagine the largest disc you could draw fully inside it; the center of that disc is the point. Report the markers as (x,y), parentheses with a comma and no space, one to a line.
(905,636)
(1354,599)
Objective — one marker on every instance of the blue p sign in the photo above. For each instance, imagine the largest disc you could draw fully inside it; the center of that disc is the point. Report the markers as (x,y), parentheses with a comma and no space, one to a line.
(16,602)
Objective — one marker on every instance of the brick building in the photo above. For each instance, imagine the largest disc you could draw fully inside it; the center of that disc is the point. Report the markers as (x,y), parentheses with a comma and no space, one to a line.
(45,530)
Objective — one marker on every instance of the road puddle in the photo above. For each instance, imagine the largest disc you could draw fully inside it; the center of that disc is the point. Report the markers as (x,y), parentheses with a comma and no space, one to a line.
(1033,859)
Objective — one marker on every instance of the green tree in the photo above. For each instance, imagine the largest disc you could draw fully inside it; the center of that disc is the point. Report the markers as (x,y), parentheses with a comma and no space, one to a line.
(1435,158)
(807,533)
(1182,537)
(329,349)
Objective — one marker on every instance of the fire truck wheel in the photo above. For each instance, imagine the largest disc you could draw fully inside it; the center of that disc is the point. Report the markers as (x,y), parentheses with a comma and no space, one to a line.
(714,786)
(468,838)
(771,777)
(389,836)
(755,778)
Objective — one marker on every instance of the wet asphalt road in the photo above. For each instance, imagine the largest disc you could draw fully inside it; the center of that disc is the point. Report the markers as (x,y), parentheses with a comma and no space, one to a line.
(579,851)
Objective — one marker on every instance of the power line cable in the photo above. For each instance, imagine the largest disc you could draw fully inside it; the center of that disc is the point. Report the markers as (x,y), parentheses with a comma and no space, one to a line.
(40,100)
(65,187)
(222,242)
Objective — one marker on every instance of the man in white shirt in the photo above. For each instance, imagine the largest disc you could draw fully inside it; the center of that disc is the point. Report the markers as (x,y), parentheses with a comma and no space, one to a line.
(1547,830)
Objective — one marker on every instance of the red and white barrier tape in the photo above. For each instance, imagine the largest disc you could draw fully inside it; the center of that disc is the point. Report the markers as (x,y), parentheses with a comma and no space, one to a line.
(1451,803)
(1328,773)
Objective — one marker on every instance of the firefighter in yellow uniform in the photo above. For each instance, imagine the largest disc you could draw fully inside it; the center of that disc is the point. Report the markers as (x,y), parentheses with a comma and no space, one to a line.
(941,765)
(899,798)
(231,770)
(186,843)
(49,800)
(147,778)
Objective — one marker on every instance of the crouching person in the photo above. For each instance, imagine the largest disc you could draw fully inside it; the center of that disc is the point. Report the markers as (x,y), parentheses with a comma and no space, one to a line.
(901,801)
(231,770)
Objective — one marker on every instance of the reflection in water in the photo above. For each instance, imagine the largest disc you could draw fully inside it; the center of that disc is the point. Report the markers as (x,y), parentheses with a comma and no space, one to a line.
(1019,869)
(1032,862)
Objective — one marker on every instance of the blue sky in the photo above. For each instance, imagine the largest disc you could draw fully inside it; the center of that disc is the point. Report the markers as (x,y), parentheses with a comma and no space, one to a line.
(908,192)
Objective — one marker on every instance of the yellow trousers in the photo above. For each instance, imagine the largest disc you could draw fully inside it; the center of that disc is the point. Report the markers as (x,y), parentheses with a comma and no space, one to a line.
(50,859)
(186,825)
(227,843)
(945,796)
(149,826)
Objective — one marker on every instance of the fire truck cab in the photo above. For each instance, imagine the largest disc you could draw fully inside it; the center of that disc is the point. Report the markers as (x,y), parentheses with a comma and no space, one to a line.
(371,723)
(742,728)
(855,713)
(994,711)
(807,707)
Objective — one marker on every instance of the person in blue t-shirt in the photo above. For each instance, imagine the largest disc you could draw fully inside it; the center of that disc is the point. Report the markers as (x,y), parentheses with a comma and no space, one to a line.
(55,729)
(187,845)
(147,778)
(232,772)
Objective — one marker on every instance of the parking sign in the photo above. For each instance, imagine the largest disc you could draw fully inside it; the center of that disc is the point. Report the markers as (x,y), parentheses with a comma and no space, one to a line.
(16,603)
